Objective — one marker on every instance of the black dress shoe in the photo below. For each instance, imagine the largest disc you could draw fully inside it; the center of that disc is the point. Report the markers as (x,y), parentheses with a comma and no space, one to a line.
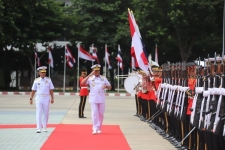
(169,138)
(165,136)
(82,117)
(178,146)
(184,148)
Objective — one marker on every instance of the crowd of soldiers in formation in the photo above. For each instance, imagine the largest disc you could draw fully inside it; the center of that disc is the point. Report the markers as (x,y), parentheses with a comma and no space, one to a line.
(185,103)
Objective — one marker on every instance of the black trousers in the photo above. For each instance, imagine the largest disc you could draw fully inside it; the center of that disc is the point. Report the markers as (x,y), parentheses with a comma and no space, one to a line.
(140,105)
(209,140)
(145,108)
(152,108)
(218,142)
(137,104)
(82,105)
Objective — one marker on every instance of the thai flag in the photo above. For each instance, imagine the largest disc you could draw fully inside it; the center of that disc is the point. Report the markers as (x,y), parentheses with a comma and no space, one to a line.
(119,58)
(69,57)
(50,58)
(36,56)
(107,58)
(84,54)
(94,53)
(133,62)
(137,48)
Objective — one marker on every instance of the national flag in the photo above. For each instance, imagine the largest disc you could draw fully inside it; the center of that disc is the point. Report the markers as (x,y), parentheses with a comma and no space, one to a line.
(50,58)
(107,58)
(84,54)
(156,54)
(133,62)
(137,48)
(119,58)
(69,57)
(36,56)
(94,53)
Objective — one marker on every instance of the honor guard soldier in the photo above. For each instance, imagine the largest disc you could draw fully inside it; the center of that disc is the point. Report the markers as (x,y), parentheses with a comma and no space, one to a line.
(83,94)
(44,94)
(97,84)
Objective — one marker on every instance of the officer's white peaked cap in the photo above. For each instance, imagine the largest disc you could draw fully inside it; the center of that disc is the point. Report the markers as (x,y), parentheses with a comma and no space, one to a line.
(96,67)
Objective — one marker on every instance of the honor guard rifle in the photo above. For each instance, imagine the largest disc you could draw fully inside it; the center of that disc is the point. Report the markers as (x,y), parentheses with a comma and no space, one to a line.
(179,93)
(196,106)
(165,95)
(173,89)
(162,89)
(169,87)
(177,80)
(220,112)
(214,100)
(208,111)
(205,95)
(210,106)
(184,100)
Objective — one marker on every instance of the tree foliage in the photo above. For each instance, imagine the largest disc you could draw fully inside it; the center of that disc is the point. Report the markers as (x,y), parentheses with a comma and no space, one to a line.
(183,30)
(183,24)
(27,22)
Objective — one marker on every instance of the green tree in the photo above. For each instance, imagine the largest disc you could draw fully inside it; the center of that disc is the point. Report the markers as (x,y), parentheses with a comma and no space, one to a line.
(99,23)
(179,23)
(29,21)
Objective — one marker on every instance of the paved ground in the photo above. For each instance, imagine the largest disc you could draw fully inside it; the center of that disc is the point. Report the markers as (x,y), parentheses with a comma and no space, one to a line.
(16,110)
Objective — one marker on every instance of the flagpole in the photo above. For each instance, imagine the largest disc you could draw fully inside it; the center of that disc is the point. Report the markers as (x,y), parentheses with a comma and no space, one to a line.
(35,64)
(118,77)
(64,76)
(49,61)
(49,70)
(118,71)
(78,64)
(122,76)
(92,49)
(105,61)
(156,54)
(223,29)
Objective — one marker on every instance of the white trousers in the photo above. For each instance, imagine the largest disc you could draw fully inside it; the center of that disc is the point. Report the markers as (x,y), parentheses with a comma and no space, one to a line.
(42,111)
(97,113)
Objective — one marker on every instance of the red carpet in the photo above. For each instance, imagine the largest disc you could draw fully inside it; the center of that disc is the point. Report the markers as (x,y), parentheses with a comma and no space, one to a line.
(79,137)
(24,126)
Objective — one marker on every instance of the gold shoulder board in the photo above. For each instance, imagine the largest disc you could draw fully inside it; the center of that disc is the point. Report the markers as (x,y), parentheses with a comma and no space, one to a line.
(37,78)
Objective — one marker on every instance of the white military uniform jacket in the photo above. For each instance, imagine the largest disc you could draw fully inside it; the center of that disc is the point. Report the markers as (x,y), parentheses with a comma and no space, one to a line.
(97,92)
(42,86)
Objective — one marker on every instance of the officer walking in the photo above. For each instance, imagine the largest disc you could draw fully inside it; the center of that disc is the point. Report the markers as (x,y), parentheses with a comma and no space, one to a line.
(97,84)
(44,88)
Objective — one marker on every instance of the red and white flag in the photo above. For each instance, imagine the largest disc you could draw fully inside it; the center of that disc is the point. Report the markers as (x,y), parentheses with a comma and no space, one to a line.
(119,58)
(37,59)
(107,58)
(137,47)
(69,57)
(94,53)
(84,54)
(156,54)
(50,58)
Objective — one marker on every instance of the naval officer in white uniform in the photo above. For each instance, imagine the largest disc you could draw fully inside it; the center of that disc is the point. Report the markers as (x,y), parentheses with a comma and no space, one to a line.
(44,94)
(97,84)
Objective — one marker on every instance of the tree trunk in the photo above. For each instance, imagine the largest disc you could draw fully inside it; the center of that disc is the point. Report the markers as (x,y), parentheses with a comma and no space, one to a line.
(185,49)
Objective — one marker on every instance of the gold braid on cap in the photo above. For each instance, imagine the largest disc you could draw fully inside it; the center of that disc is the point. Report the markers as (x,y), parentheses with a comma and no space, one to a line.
(141,72)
